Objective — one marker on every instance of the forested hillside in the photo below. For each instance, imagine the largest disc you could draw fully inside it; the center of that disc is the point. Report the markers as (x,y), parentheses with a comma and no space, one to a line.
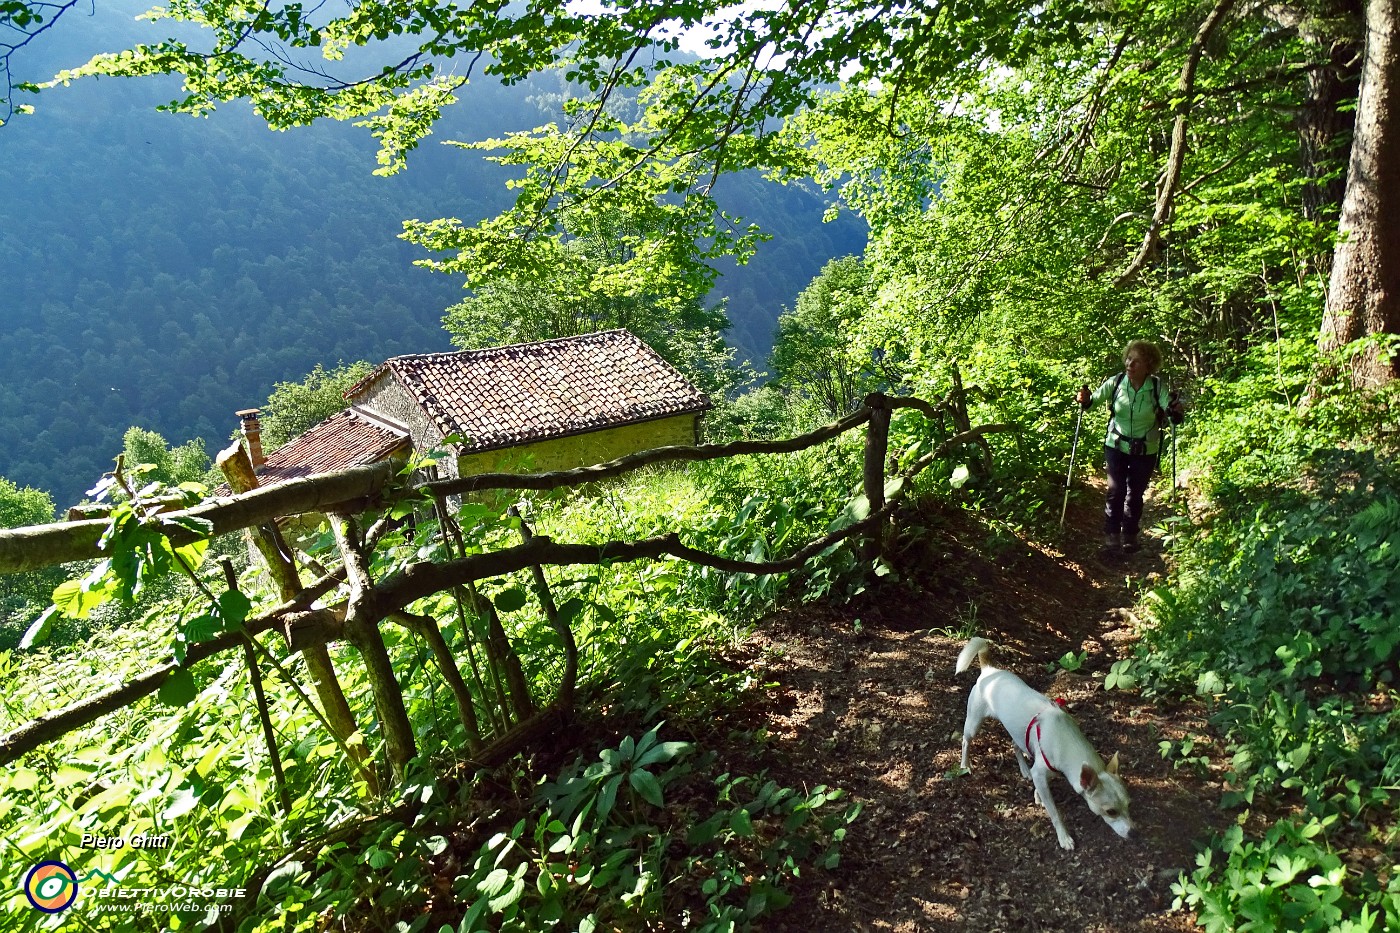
(164,272)
(1114,383)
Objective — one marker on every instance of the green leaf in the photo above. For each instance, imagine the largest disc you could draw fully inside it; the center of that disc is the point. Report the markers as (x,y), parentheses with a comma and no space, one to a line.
(411,501)
(741,823)
(645,783)
(494,882)
(289,870)
(664,751)
(233,609)
(184,802)
(608,797)
(24,779)
(646,743)
(178,689)
(960,477)
(193,553)
(193,524)
(510,600)
(39,631)
(202,628)
(857,510)
(703,833)
(512,894)
(239,826)
(473,917)
(76,598)
(1209,683)
(570,610)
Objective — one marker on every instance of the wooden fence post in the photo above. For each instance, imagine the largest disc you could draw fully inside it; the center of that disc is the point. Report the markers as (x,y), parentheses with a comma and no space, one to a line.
(427,626)
(502,663)
(963,422)
(364,635)
(877,445)
(371,602)
(496,720)
(237,468)
(502,656)
(234,463)
(260,699)
(565,699)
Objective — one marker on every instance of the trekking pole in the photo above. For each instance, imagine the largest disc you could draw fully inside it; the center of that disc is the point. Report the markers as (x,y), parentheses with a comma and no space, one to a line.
(1175,397)
(1074,448)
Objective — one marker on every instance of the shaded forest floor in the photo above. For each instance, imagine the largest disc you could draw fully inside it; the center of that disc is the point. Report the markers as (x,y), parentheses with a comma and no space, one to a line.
(866,700)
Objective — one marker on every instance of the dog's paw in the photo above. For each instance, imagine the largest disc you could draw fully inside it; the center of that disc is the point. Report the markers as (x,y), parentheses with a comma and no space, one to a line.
(1066,841)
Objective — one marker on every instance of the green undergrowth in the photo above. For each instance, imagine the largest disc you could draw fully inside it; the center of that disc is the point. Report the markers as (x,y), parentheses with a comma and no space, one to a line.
(655,831)
(1281,615)
(1020,495)
(639,814)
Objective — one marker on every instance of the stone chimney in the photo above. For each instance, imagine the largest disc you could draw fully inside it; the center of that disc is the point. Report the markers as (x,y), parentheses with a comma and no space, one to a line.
(252,435)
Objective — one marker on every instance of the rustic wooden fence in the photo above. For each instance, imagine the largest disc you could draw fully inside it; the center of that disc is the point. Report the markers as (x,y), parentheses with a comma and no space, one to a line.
(493,699)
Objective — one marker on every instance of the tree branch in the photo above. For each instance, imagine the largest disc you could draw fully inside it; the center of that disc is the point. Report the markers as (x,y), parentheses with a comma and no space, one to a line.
(63,542)
(1176,158)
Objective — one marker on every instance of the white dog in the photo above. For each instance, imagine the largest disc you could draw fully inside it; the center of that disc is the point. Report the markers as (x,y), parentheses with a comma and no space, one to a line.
(1046,739)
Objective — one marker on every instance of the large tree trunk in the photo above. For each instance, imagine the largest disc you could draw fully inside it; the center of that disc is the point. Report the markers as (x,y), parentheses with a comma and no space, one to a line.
(1326,121)
(1324,127)
(1363,297)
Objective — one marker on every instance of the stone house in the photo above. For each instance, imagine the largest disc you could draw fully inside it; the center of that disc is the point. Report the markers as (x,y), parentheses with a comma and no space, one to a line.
(551,405)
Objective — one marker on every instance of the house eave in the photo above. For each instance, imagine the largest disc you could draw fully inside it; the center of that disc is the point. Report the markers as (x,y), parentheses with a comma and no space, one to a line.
(507,445)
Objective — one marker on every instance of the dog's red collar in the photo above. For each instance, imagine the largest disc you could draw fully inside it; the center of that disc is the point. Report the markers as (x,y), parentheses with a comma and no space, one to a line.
(1035,724)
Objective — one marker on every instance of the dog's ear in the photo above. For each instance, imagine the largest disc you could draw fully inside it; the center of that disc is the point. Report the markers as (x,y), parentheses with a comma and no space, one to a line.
(1113,764)
(1088,779)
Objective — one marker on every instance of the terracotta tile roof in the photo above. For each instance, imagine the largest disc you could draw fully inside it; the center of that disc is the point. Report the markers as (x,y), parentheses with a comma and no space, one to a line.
(503,396)
(350,438)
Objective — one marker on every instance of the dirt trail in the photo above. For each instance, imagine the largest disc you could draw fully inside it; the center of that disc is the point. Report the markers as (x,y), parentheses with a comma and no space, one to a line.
(868,701)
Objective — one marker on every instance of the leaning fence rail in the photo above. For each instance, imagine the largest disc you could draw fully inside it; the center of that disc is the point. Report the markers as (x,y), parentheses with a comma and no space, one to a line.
(306,624)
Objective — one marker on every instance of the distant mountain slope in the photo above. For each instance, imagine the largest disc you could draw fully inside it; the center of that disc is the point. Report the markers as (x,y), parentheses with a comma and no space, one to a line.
(163,271)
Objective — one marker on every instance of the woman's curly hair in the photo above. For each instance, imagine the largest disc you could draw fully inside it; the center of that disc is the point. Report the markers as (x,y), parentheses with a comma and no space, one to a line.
(1147,351)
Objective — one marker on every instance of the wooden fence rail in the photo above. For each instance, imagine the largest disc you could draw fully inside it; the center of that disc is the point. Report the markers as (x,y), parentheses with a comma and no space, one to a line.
(496,707)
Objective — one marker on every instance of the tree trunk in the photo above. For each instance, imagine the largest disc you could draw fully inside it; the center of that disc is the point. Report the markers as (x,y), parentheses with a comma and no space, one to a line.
(1325,123)
(1363,297)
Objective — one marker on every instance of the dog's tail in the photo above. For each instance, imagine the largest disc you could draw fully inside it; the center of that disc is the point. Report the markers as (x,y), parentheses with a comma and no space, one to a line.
(978,648)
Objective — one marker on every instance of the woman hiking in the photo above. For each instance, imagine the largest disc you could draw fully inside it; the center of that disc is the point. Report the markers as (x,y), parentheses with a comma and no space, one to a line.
(1139,406)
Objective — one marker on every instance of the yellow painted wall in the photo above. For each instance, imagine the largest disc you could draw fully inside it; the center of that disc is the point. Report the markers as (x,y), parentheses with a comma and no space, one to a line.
(565,453)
